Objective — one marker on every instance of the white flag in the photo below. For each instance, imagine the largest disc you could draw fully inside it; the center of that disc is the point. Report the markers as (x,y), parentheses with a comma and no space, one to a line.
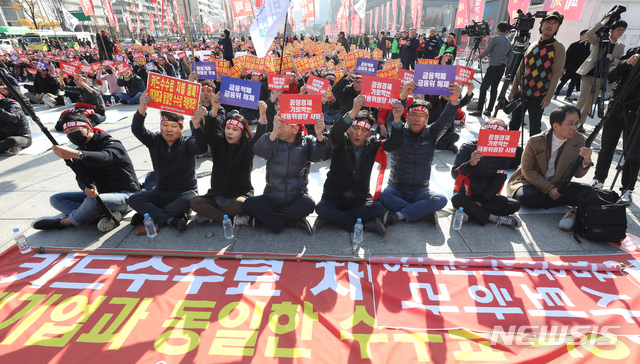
(268,21)
(70,21)
(361,7)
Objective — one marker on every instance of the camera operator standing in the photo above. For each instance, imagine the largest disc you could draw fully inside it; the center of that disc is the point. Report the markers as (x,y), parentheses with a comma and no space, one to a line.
(498,49)
(614,51)
(621,120)
(543,64)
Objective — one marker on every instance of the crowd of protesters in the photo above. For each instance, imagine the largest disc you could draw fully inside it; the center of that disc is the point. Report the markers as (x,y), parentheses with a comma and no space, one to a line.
(351,134)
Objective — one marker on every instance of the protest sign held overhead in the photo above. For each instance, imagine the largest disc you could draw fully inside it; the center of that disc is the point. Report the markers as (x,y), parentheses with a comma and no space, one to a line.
(434,79)
(173,94)
(300,109)
(206,70)
(464,75)
(498,143)
(241,93)
(380,92)
(278,82)
(366,66)
(317,85)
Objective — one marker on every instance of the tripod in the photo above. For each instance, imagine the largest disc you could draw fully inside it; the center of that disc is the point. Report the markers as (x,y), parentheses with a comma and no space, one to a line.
(601,69)
(474,51)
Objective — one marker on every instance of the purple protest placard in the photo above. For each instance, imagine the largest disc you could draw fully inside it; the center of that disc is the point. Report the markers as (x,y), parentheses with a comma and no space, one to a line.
(366,66)
(238,92)
(149,66)
(206,70)
(434,79)
(43,66)
(119,58)
(15,57)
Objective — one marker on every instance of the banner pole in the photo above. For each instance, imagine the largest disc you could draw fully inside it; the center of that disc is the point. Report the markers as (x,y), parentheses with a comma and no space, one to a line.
(284,38)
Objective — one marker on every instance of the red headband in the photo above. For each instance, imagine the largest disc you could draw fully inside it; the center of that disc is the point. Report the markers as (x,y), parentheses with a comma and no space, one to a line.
(235,122)
(494,127)
(207,87)
(73,124)
(362,124)
(420,108)
(165,118)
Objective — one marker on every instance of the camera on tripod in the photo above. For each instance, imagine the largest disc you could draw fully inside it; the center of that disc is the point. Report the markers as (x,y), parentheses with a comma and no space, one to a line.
(476,29)
(525,22)
(614,16)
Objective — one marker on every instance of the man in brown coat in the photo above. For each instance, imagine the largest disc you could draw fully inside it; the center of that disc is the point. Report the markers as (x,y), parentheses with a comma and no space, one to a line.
(546,161)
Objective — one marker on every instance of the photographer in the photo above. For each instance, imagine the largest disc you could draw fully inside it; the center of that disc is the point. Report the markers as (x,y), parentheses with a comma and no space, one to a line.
(577,53)
(613,53)
(621,119)
(544,61)
(498,49)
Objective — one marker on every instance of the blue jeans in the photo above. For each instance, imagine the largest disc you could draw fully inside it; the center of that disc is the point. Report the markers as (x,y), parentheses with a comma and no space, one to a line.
(343,212)
(130,99)
(81,209)
(331,116)
(414,205)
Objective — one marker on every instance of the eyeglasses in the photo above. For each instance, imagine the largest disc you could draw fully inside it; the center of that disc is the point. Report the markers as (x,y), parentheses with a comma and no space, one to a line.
(571,125)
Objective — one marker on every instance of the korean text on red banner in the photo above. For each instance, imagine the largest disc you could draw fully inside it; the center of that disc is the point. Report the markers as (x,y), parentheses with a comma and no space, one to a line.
(316,85)
(380,92)
(498,143)
(173,94)
(278,82)
(68,69)
(464,75)
(300,109)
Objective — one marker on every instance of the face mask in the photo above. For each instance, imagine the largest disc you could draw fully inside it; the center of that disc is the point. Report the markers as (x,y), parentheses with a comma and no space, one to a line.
(77,138)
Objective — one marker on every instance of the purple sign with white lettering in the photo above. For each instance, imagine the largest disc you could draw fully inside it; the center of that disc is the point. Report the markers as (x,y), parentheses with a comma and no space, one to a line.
(366,66)
(238,92)
(206,70)
(434,79)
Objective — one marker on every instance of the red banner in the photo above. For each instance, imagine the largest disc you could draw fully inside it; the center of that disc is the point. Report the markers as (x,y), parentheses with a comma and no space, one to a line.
(403,6)
(394,10)
(152,26)
(380,92)
(222,67)
(498,143)
(303,65)
(173,94)
(69,69)
(307,7)
(464,75)
(278,82)
(391,73)
(427,61)
(241,8)
(109,11)
(87,7)
(60,307)
(287,63)
(377,16)
(254,64)
(462,15)
(571,9)
(300,109)
(316,85)
(405,76)
(86,68)
(478,10)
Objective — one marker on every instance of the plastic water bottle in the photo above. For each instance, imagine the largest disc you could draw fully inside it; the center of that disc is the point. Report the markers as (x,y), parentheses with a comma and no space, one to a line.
(29,119)
(458,219)
(228,227)
(113,100)
(21,241)
(150,226)
(357,232)
(67,101)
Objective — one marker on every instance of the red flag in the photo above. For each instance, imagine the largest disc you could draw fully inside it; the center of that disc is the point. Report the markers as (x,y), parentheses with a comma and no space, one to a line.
(404,7)
(377,16)
(152,26)
(462,16)
(394,10)
(87,7)
(109,10)
(259,3)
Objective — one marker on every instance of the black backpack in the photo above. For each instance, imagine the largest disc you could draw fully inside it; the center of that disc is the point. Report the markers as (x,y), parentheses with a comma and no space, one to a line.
(600,217)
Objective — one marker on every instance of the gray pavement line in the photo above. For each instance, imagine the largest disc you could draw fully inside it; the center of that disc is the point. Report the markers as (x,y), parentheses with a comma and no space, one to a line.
(476,262)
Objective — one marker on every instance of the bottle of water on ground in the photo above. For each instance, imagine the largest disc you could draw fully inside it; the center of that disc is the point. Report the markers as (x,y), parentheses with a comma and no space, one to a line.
(458,219)
(67,101)
(357,232)
(228,227)
(21,241)
(150,226)
(113,101)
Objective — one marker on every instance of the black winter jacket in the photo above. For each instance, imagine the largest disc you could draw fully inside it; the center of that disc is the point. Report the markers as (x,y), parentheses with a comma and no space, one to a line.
(343,91)
(342,176)
(175,165)
(411,164)
(13,121)
(288,164)
(134,85)
(485,179)
(47,85)
(232,163)
(107,165)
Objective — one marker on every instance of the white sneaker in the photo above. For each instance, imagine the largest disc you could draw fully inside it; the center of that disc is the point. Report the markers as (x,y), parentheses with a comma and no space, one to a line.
(596,185)
(627,198)
(201,219)
(568,220)
(49,100)
(106,224)
(244,220)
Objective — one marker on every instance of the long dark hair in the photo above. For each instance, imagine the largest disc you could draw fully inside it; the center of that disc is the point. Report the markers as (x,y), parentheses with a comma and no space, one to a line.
(246,133)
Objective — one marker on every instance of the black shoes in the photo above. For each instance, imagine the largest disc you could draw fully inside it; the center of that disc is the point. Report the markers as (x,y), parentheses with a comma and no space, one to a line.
(48,223)
(178,222)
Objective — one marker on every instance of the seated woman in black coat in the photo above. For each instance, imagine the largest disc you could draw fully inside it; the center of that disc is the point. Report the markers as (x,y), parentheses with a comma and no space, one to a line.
(479,180)
(231,147)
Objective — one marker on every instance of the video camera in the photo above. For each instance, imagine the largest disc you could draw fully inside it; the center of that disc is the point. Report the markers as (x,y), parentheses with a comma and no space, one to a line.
(525,22)
(614,16)
(476,29)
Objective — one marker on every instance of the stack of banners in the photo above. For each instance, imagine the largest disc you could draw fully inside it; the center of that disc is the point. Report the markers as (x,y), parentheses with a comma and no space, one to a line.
(173,94)
(109,306)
